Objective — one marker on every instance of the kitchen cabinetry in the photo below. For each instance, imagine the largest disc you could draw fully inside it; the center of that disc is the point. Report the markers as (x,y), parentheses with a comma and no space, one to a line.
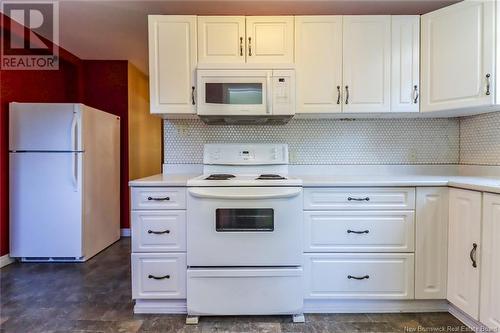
(458,50)
(431,242)
(367,63)
(318,58)
(240,39)
(158,244)
(359,243)
(405,78)
(221,39)
(490,264)
(172,63)
(464,250)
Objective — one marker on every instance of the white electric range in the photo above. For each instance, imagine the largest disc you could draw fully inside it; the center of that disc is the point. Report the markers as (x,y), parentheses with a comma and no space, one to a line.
(244,233)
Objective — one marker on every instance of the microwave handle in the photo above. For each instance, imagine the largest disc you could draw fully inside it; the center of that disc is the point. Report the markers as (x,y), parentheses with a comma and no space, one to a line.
(269,101)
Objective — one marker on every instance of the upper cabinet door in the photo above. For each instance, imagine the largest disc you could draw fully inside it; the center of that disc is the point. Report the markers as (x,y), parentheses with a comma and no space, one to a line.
(464,233)
(269,39)
(221,39)
(490,271)
(457,56)
(318,59)
(367,63)
(172,63)
(405,63)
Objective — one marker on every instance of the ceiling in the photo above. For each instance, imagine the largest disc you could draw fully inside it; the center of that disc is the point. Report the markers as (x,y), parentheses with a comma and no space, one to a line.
(117,29)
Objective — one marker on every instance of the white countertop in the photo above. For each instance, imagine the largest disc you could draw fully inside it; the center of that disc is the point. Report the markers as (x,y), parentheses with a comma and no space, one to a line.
(484,184)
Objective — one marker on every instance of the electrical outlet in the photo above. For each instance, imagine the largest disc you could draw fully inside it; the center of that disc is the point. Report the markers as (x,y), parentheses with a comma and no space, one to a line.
(292,156)
(412,155)
(183,130)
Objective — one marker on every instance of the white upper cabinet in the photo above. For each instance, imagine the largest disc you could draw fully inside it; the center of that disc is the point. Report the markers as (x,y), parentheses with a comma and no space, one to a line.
(221,39)
(318,58)
(270,39)
(172,63)
(458,49)
(367,63)
(405,63)
(490,263)
(464,233)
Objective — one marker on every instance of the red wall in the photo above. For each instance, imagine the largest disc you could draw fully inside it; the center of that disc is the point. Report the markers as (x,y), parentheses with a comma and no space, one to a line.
(100,84)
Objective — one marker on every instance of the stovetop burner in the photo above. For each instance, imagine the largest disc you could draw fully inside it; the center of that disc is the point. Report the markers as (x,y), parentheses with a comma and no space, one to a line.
(220,176)
(270,177)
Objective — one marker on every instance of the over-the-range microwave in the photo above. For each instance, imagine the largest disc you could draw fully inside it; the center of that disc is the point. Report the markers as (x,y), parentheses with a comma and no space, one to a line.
(246,96)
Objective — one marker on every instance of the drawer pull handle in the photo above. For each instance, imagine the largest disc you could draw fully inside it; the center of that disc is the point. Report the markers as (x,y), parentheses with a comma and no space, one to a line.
(358,277)
(158,277)
(159,199)
(358,232)
(158,232)
(472,255)
(358,199)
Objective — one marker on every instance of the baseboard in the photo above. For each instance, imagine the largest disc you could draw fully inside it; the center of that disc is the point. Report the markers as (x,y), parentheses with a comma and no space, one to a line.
(174,306)
(470,322)
(373,306)
(125,232)
(5,260)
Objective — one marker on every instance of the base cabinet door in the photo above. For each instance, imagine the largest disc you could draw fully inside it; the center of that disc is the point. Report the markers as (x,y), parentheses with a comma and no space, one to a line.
(358,276)
(431,242)
(490,262)
(464,232)
(449,81)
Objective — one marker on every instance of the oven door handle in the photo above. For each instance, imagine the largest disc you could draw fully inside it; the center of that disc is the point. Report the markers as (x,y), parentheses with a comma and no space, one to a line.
(211,193)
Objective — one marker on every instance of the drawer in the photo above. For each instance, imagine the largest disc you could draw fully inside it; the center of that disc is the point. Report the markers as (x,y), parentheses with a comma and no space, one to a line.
(244,291)
(359,198)
(158,231)
(158,275)
(158,198)
(359,231)
(359,276)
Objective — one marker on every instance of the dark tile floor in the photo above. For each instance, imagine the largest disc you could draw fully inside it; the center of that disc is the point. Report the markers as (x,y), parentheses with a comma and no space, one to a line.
(95,297)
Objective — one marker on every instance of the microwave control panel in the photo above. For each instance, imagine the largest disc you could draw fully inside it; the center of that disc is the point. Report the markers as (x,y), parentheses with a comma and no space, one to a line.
(283,91)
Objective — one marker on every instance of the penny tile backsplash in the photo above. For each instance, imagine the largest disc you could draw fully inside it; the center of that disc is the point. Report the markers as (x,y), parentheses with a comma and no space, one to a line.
(327,141)
(480,139)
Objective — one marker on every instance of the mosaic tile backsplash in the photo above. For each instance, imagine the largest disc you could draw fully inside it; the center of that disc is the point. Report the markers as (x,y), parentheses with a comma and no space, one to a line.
(326,141)
(480,139)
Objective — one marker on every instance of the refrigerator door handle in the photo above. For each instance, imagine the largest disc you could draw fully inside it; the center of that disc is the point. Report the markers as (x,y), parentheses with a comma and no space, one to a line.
(74,143)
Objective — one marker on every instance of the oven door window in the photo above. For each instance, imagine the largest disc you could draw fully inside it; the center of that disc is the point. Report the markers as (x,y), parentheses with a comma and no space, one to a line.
(233,93)
(244,219)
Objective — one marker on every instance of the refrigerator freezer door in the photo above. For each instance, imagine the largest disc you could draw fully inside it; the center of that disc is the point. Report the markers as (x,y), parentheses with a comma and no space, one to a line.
(44,127)
(46,204)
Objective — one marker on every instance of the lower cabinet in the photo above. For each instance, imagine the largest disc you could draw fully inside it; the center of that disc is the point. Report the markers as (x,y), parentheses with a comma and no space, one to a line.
(158,275)
(358,276)
(431,242)
(490,262)
(464,233)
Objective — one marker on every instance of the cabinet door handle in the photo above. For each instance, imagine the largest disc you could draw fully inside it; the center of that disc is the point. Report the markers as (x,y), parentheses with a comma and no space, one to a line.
(159,199)
(250,46)
(488,83)
(358,277)
(358,199)
(346,94)
(338,94)
(415,94)
(193,102)
(158,277)
(158,232)
(241,46)
(472,255)
(358,232)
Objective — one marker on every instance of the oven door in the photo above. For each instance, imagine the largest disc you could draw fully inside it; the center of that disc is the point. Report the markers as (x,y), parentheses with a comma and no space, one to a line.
(234,92)
(244,226)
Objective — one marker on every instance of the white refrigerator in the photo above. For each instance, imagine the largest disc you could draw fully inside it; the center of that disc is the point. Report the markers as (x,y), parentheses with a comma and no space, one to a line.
(64,181)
